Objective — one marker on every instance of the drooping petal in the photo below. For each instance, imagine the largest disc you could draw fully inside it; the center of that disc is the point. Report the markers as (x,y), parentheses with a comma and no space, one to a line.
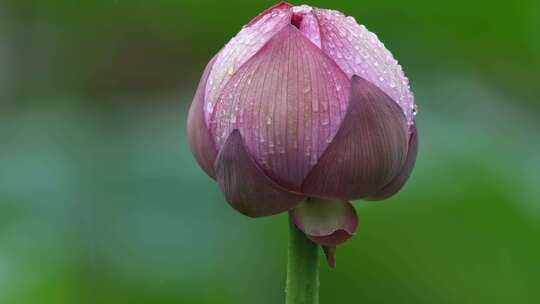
(368,151)
(359,52)
(201,143)
(288,102)
(241,48)
(399,181)
(326,222)
(245,186)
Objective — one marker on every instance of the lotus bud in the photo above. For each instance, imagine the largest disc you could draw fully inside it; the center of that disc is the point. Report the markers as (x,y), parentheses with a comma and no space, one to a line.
(305,110)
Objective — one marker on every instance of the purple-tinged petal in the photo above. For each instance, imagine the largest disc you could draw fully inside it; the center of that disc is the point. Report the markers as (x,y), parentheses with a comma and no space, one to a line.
(399,181)
(360,52)
(241,48)
(245,186)
(288,101)
(201,143)
(368,151)
(326,222)
(334,239)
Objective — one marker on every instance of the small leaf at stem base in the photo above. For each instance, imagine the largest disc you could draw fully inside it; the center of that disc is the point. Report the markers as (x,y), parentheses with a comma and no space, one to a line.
(330,252)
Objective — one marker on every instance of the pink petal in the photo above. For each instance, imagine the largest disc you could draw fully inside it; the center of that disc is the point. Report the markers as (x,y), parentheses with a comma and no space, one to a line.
(368,151)
(399,181)
(202,145)
(326,222)
(304,19)
(241,48)
(288,102)
(359,52)
(245,186)
(280,6)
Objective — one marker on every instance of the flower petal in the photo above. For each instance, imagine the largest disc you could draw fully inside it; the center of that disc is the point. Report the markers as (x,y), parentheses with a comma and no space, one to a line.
(359,52)
(304,19)
(399,181)
(201,143)
(245,186)
(368,151)
(326,222)
(280,6)
(241,48)
(288,102)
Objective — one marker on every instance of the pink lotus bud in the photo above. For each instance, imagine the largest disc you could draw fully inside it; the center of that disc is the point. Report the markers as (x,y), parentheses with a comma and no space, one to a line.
(304,102)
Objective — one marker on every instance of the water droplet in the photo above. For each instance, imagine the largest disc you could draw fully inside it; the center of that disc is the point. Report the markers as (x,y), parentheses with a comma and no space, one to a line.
(338,87)
(325,121)
(302,9)
(307,89)
(415,110)
(268,120)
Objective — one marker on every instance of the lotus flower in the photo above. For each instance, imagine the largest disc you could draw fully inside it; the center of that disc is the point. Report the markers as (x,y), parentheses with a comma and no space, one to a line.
(303,111)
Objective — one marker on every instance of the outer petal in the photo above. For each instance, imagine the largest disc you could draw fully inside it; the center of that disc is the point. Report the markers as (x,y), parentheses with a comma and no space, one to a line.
(202,145)
(368,151)
(288,102)
(245,186)
(280,6)
(242,47)
(399,181)
(326,222)
(359,52)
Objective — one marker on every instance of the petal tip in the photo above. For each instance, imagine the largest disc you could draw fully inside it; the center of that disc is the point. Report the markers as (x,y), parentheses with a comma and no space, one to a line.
(246,188)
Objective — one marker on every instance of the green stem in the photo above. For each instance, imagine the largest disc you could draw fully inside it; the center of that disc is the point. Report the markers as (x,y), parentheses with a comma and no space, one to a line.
(302,269)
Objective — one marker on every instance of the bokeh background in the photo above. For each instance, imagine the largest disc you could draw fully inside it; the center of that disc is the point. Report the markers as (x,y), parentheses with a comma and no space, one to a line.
(102,202)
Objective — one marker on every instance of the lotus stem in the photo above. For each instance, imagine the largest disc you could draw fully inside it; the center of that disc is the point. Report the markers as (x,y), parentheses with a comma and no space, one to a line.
(302,269)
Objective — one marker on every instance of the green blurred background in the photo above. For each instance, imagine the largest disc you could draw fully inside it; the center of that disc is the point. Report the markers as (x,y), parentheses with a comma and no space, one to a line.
(102,202)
